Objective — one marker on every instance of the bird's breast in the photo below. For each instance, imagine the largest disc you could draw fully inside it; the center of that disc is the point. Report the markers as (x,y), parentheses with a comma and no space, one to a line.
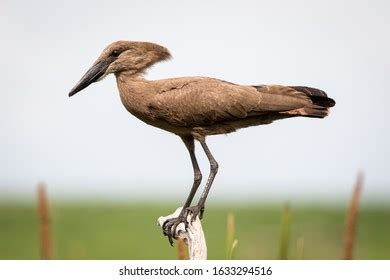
(136,105)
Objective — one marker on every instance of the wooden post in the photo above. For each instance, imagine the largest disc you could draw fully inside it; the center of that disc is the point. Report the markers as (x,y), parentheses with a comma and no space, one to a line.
(193,236)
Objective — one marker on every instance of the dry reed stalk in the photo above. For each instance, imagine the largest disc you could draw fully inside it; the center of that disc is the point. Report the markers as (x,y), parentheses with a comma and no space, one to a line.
(44,224)
(285,233)
(231,242)
(181,250)
(351,219)
(300,248)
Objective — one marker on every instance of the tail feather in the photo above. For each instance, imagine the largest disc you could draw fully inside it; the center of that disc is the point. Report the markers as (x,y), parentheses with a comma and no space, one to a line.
(320,106)
(317,96)
(313,111)
(296,100)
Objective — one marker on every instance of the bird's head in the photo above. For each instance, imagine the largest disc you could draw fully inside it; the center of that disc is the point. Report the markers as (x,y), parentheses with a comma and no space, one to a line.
(122,56)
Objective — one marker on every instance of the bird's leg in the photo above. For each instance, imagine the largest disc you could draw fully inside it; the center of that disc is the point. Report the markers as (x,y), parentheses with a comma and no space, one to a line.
(170,225)
(189,142)
(199,208)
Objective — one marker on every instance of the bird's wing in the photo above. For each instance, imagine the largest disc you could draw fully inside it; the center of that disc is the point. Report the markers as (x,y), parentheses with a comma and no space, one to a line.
(201,101)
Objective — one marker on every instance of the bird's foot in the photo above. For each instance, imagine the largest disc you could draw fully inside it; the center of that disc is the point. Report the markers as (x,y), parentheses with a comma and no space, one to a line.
(170,225)
(195,211)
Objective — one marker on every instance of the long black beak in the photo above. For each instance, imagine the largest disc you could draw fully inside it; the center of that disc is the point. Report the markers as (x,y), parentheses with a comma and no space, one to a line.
(93,74)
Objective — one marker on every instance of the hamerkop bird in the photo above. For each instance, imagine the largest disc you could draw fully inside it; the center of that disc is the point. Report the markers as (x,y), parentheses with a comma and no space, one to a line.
(195,107)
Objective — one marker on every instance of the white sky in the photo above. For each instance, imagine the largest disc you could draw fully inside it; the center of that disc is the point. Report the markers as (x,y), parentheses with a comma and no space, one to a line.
(89,144)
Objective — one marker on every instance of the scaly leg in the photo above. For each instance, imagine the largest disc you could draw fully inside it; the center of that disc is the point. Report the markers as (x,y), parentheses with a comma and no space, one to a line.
(199,208)
(169,227)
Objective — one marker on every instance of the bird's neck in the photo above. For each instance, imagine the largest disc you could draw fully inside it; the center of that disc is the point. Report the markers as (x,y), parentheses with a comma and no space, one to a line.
(135,92)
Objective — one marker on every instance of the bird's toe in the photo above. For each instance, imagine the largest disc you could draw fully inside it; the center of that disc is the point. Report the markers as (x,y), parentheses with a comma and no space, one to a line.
(195,211)
(170,227)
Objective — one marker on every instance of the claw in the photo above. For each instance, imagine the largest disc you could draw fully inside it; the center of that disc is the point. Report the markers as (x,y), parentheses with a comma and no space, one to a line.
(164,226)
(173,229)
(170,240)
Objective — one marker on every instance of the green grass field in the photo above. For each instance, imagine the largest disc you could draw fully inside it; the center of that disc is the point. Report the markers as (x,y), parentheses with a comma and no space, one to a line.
(128,231)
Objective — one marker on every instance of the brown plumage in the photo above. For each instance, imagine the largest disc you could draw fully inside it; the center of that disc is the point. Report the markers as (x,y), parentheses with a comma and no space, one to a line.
(195,107)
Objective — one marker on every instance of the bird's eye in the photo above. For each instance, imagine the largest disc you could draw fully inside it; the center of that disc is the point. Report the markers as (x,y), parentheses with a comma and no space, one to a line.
(115,53)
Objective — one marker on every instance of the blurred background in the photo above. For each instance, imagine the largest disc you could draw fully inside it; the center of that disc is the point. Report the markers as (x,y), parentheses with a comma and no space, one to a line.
(109,176)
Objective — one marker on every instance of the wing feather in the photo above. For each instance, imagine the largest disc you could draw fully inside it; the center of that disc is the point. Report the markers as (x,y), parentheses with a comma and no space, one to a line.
(203,101)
